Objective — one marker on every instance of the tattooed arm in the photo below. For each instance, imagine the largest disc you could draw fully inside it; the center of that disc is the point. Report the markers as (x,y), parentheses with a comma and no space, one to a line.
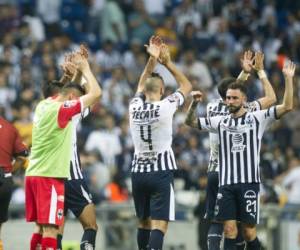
(191,118)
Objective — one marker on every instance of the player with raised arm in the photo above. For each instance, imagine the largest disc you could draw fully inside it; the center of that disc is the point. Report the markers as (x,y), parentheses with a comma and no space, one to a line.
(153,163)
(51,154)
(240,134)
(219,107)
(78,198)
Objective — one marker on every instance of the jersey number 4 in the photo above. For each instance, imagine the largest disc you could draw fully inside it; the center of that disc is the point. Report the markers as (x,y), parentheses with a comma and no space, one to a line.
(146,135)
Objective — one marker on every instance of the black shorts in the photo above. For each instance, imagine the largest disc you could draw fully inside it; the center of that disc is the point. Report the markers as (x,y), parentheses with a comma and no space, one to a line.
(77,196)
(153,195)
(211,194)
(238,202)
(6,190)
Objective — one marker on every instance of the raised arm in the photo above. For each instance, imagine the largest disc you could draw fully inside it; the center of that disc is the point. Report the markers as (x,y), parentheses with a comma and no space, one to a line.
(191,118)
(185,86)
(92,86)
(270,98)
(153,49)
(287,104)
(246,63)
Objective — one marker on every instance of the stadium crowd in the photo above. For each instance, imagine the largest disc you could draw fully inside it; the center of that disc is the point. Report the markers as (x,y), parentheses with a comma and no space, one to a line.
(206,39)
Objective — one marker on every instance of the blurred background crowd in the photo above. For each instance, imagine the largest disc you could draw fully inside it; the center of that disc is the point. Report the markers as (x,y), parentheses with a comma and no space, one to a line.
(206,39)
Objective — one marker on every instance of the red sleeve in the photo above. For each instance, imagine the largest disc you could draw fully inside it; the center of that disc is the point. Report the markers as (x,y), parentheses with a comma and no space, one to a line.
(66,111)
(19,146)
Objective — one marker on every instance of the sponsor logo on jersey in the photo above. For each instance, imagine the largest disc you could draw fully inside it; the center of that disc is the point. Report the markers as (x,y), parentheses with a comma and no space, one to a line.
(238,143)
(71,103)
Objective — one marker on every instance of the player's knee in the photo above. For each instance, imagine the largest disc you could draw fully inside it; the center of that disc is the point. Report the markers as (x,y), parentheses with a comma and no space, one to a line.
(145,223)
(249,233)
(230,230)
(90,225)
(161,225)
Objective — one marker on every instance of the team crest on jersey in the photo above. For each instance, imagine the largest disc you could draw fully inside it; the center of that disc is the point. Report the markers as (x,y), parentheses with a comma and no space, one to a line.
(238,143)
(60,214)
(249,121)
(71,103)
(219,196)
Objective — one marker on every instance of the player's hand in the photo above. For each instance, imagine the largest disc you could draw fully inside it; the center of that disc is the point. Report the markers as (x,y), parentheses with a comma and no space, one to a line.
(153,49)
(247,61)
(289,68)
(164,56)
(197,96)
(84,51)
(258,61)
(69,69)
(80,61)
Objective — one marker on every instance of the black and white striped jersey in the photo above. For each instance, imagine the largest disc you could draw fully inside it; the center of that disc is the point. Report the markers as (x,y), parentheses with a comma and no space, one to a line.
(75,166)
(217,108)
(151,131)
(239,144)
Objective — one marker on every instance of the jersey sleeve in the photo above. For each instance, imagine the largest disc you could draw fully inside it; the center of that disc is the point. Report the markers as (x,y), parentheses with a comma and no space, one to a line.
(20,148)
(265,118)
(210,124)
(253,106)
(176,98)
(138,99)
(67,110)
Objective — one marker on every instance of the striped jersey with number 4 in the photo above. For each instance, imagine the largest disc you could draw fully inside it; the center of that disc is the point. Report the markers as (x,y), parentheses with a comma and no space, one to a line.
(151,129)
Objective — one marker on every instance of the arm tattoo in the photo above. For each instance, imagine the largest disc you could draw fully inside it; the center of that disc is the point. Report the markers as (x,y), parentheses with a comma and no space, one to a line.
(191,119)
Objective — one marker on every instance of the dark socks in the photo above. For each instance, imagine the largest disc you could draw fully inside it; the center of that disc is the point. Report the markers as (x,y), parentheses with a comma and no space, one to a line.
(240,242)
(59,239)
(88,239)
(253,245)
(143,238)
(156,239)
(214,236)
(229,244)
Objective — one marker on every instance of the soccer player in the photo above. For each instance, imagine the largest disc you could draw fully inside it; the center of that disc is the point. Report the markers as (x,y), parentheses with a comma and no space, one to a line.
(78,198)
(11,149)
(218,107)
(51,155)
(154,162)
(240,135)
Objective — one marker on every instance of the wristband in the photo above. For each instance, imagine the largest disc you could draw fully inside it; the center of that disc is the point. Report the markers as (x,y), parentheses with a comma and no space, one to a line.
(262,74)
(243,76)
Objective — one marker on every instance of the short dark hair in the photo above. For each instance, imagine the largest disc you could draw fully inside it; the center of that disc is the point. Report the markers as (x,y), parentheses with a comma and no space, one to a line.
(72,85)
(156,75)
(238,85)
(51,88)
(223,86)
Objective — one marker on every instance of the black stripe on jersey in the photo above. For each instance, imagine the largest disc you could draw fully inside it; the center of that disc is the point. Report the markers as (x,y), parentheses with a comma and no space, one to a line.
(252,156)
(231,159)
(245,159)
(72,176)
(159,161)
(166,160)
(225,156)
(171,160)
